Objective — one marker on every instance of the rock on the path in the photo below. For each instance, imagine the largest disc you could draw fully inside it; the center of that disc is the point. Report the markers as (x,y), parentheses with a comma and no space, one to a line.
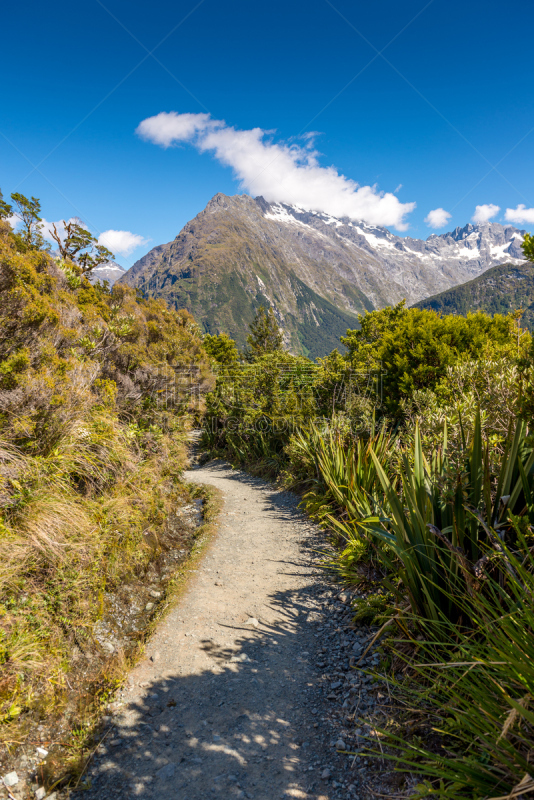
(340,744)
(11,779)
(166,772)
(240,658)
(40,793)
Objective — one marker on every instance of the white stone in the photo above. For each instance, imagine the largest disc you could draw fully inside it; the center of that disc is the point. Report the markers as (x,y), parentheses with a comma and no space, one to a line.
(11,779)
(40,793)
(240,658)
(42,752)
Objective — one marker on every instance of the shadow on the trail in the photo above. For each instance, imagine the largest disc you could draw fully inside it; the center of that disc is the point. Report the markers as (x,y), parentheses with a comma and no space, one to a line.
(236,730)
(245,728)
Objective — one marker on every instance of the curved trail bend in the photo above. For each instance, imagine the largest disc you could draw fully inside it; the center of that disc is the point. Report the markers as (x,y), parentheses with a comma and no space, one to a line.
(222,705)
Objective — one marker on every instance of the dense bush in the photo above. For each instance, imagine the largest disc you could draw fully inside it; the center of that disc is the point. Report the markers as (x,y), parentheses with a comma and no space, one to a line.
(401,365)
(412,349)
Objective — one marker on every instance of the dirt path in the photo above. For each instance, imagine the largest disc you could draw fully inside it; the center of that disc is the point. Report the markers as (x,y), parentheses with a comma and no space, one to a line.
(225,704)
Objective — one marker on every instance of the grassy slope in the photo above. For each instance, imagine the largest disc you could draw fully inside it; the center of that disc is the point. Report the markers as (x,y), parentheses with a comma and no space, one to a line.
(90,466)
(500,290)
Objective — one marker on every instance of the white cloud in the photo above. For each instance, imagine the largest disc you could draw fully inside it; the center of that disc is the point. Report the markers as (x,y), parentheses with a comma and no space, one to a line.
(281,172)
(13,220)
(485,213)
(166,129)
(519,215)
(437,218)
(121,243)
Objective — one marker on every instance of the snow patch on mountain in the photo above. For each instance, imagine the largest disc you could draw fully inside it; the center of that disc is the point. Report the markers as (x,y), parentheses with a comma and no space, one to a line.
(484,244)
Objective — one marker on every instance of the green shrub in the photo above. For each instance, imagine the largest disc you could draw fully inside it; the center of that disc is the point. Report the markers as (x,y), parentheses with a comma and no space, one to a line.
(412,348)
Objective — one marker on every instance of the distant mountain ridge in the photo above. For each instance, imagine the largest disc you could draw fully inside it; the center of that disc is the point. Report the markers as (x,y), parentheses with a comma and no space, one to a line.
(316,271)
(499,290)
(110,272)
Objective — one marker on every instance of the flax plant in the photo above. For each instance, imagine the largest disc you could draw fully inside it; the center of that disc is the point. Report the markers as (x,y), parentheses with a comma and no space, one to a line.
(468,706)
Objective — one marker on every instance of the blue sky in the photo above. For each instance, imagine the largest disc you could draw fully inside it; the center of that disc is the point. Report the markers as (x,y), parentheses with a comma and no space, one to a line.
(444,111)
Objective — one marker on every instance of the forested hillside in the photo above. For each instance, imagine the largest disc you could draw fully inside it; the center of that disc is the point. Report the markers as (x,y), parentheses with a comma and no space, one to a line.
(500,290)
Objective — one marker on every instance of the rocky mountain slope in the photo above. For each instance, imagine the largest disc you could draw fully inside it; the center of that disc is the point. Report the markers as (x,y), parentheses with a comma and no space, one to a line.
(110,272)
(317,271)
(500,290)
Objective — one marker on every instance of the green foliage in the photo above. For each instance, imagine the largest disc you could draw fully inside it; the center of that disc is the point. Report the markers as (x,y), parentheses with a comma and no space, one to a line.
(265,334)
(413,348)
(221,348)
(5,209)
(28,210)
(437,521)
(14,366)
(345,479)
(471,720)
(493,388)
(402,364)
(255,406)
(528,246)
(74,279)
(374,608)
(78,245)
(94,406)
(456,540)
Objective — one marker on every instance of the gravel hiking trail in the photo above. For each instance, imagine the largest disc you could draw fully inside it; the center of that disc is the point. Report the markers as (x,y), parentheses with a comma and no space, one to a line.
(224,702)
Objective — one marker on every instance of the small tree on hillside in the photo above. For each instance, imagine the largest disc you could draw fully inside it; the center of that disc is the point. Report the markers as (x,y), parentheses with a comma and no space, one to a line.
(5,209)
(265,334)
(80,246)
(221,348)
(528,247)
(28,211)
